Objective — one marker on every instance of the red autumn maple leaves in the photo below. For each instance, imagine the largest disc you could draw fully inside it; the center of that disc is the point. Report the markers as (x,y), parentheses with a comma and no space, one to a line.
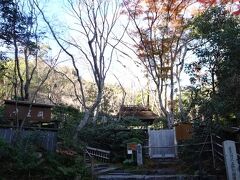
(234,3)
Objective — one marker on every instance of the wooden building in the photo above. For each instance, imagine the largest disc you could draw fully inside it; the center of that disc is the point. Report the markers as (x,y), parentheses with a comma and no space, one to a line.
(143,113)
(24,110)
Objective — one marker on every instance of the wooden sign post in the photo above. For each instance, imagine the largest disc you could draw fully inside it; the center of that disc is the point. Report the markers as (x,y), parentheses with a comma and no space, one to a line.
(131,147)
(231,161)
(139,155)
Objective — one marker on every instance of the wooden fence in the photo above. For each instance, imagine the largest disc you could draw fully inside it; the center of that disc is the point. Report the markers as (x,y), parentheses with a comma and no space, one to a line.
(218,155)
(43,138)
(99,154)
(211,143)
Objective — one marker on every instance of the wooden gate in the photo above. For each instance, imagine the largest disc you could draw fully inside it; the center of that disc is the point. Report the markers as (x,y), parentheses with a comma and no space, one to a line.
(162,143)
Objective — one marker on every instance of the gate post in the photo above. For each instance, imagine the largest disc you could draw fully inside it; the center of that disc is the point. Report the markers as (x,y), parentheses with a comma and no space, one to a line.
(139,155)
(231,161)
(149,143)
(175,142)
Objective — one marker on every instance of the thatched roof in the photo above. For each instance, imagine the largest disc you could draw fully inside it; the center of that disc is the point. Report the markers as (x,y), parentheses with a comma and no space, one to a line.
(27,103)
(142,113)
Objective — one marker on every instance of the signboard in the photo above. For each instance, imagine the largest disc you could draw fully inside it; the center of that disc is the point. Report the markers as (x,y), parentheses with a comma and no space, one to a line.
(33,112)
(231,160)
(129,152)
(132,146)
(183,131)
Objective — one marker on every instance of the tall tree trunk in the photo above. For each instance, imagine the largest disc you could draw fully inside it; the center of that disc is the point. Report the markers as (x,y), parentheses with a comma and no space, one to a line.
(170,114)
(88,113)
(165,96)
(16,92)
(123,97)
(96,114)
(18,68)
(148,92)
(180,103)
(27,83)
(214,91)
(164,111)
(213,81)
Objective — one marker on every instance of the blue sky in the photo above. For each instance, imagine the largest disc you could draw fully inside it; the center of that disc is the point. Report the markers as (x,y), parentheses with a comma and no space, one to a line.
(127,72)
(56,12)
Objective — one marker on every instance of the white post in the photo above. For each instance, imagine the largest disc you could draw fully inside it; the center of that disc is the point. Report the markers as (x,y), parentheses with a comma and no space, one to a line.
(139,155)
(231,161)
(149,143)
(175,142)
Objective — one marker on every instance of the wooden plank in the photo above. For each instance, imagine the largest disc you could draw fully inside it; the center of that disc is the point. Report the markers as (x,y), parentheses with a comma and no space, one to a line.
(218,153)
(96,155)
(99,154)
(219,145)
(96,149)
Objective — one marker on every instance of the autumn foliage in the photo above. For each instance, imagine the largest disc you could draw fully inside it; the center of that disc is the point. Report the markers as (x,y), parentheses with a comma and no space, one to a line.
(233,5)
(160,40)
(160,35)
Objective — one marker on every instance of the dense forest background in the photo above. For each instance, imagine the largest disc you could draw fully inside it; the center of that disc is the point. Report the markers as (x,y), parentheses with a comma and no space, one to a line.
(167,40)
(208,33)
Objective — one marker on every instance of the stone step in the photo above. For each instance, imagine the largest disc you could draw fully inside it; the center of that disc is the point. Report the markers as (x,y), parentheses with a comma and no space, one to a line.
(170,160)
(154,177)
(105,165)
(97,169)
(163,171)
(119,173)
(97,166)
(105,170)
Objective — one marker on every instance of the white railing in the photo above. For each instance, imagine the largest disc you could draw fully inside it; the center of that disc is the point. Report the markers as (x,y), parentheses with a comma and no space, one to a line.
(99,154)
